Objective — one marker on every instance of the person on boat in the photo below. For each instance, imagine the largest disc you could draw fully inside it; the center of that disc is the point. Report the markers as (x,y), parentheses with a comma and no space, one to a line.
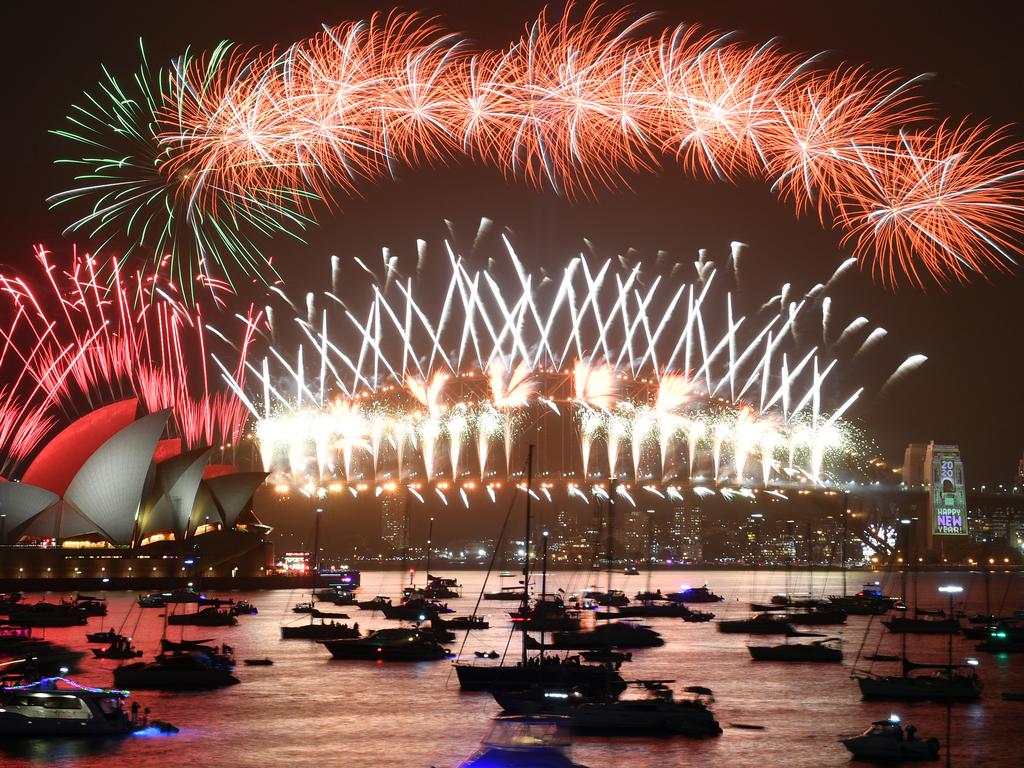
(911,730)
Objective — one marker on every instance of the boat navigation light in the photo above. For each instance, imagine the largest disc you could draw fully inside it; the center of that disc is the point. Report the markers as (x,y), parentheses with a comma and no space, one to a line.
(63,670)
(951,589)
(972,662)
(894,718)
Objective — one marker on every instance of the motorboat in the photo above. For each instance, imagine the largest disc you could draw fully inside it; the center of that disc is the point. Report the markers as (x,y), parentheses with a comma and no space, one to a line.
(207,617)
(57,706)
(517,742)
(21,653)
(827,650)
(439,588)
(547,671)
(460,622)
(511,594)
(43,614)
(185,595)
(648,596)
(120,648)
(307,607)
(549,615)
(659,713)
(388,645)
(264,662)
(620,634)
(762,624)
(888,740)
(181,670)
(321,631)
(796,600)
(613,598)
(374,605)
(1001,641)
(630,570)
(694,595)
(92,606)
(869,601)
(653,610)
(416,609)
(152,600)
(102,637)
(244,608)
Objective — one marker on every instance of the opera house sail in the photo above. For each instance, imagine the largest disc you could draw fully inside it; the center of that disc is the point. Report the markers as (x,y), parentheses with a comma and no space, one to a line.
(107,498)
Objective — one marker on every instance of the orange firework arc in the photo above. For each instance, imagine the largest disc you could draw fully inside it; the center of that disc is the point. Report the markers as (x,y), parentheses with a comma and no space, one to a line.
(580,103)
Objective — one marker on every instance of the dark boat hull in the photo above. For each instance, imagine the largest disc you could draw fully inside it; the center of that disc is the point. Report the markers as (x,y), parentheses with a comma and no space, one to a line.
(918,688)
(149,677)
(795,653)
(592,680)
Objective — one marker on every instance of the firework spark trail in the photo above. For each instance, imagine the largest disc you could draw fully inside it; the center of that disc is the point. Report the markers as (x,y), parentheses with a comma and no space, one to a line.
(484,364)
(198,160)
(91,334)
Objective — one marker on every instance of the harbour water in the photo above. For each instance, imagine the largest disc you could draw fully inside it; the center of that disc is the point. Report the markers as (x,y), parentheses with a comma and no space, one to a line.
(310,710)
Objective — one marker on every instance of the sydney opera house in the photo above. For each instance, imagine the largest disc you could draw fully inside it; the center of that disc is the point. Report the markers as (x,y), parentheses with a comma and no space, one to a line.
(107,498)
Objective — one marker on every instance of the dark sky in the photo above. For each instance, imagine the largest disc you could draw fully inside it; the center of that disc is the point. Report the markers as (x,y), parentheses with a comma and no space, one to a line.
(969,391)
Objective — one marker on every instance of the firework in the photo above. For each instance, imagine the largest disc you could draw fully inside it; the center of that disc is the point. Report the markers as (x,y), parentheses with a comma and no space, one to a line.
(200,160)
(89,334)
(584,365)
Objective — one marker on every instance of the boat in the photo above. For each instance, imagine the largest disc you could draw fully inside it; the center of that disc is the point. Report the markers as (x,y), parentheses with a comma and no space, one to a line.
(518,742)
(817,615)
(1013,695)
(922,626)
(827,650)
(694,595)
(92,606)
(612,598)
(243,608)
(509,594)
(102,637)
(622,634)
(630,570)
(416,609)
(547,615)
(265,662)
(206,617)
(439,588)
(888,740)
(657,611)
(152,600)
(120,648)
(869,601)
(192,669)
(1000,641)
(647,596)
(388,645)
(608,656)
(761,624)
(307,607)
(374,605)
(321,631)
(460,622)
(43,614)
(22,653)
(941,682)
(57,706)
(659,713)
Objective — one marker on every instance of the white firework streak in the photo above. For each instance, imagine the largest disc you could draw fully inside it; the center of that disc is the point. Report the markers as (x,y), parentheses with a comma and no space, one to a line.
(605,325)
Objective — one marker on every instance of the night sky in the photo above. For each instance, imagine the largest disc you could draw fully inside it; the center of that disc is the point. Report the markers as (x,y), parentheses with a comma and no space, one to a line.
(969,391)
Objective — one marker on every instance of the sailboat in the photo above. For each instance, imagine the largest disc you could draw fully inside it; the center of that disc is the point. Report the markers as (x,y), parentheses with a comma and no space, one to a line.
(539,671)
(945,682)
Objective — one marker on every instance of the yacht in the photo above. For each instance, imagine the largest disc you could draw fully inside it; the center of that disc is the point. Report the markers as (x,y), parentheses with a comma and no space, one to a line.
(943,683)
(321,631)
(827,650)
(439,588)
(694,595)
(653,610)
(374,605)
(549,615)
(43,614)
(887,740)
(388,645)
(186,666)
(922,626)
(542,671)
(56,706)
(762,624)
(207,617)
(624,634)
(416,609)
(460,622)
(523,742)
(511,594)
(660,713)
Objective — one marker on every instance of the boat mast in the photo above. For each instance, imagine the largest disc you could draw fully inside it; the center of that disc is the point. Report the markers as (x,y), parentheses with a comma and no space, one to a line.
(526,548)
(612,488)
(430,538)
(650,549)
(543,590)
(842,544)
